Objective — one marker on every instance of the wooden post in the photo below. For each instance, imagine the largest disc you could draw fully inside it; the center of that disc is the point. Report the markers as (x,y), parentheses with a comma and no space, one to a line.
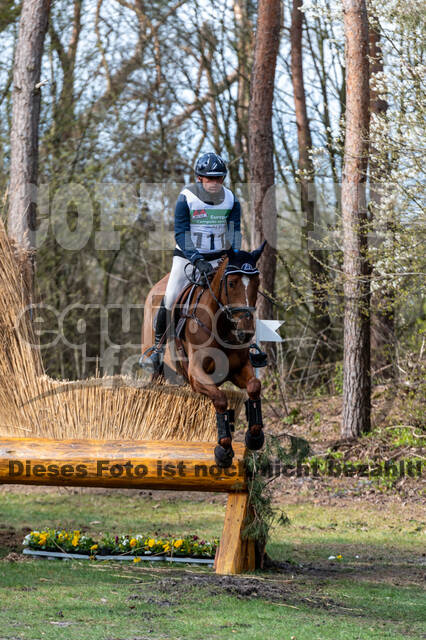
(162,465)
(235,555)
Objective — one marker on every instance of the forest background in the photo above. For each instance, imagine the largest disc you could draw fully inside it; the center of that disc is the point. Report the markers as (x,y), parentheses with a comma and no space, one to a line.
(133,92)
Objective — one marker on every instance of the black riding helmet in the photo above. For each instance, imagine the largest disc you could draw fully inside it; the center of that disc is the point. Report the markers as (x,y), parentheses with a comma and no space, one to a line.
(210,165)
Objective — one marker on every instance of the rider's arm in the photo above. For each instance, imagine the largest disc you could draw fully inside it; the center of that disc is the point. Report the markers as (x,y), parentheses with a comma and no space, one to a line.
(234,226)
(183,232)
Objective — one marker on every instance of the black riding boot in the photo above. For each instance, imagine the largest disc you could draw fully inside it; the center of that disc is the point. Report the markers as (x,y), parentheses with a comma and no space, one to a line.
(153,358)
(161,326)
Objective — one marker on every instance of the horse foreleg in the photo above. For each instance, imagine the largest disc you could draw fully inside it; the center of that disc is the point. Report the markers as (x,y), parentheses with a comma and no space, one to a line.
(199,382)
(245,379)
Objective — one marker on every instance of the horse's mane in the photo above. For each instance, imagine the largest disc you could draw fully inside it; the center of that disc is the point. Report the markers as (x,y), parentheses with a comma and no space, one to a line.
(221,260)
(234,259)
(219,271)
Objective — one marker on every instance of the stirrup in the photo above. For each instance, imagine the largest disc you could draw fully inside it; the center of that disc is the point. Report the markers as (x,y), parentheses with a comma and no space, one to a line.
(152,359)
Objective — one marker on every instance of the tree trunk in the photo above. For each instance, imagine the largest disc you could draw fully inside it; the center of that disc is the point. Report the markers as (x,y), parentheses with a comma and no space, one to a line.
(383,302)
(63,121)
(244,40)
(25,120)
(261,145)
(317,257)
(356,366)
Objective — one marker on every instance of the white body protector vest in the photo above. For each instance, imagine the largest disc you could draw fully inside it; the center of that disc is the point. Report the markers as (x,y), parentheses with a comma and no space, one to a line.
(208,222)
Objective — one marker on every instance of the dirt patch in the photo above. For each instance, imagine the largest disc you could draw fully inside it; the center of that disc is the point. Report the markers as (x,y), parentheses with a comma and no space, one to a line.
(14,557)
(283,585)
(283,590)
(11,539)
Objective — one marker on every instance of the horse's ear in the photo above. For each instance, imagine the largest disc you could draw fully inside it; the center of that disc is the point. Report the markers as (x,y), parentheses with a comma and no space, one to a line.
(258,252)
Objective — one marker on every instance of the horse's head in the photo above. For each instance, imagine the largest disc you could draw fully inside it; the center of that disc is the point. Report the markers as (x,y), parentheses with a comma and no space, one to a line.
(240,283)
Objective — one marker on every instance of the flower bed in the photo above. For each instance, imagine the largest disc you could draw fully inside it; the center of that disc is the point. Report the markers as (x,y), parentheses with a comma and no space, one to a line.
(75,542)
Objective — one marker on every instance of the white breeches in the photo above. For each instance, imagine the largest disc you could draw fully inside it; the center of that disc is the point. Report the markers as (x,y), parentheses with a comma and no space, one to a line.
(178,279)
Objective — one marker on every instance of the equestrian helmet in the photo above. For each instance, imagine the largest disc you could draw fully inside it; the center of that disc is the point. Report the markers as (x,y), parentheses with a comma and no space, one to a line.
(210,165)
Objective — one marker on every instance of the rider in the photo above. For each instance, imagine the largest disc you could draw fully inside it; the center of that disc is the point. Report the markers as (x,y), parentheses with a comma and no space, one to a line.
(207,223)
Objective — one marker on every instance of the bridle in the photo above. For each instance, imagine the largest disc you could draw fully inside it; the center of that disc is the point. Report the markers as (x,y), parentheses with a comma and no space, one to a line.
(256,356)
(227,309)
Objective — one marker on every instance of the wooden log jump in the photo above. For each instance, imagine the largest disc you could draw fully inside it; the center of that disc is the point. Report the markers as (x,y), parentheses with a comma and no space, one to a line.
(138,464)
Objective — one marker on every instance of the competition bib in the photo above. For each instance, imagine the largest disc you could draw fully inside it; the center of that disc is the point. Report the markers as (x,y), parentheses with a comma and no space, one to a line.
(208,222)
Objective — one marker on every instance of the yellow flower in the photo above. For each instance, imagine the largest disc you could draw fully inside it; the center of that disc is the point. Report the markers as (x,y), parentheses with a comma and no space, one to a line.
(133,542)
(151,542)
(178,543)
(166,546)
(42,539)
(339,557)
(136,559)
(93,547)
(74,541)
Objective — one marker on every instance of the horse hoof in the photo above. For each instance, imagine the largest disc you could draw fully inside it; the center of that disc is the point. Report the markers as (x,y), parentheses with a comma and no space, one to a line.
(254,441)
(223,456)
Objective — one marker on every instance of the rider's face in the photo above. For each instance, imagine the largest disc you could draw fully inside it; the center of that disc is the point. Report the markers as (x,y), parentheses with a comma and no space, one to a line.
(212,185)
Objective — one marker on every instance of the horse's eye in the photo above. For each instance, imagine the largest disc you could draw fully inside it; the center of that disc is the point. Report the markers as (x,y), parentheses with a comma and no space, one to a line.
(231,285)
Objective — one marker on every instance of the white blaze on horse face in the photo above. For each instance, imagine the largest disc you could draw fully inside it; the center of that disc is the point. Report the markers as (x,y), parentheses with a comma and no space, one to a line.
(246,280)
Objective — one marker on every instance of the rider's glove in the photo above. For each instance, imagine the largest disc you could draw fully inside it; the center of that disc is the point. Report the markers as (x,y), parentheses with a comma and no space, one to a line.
(203,266)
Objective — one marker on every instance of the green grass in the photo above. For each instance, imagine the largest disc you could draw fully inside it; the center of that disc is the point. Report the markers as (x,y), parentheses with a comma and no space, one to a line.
(375,596)
(92,602)
(118,512)
(373,534)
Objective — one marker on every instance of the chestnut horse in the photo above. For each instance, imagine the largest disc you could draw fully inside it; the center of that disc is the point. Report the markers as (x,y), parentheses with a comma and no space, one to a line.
(212,341)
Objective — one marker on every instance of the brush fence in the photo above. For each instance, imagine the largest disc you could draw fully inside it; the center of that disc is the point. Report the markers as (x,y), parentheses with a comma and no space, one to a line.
(135,464)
